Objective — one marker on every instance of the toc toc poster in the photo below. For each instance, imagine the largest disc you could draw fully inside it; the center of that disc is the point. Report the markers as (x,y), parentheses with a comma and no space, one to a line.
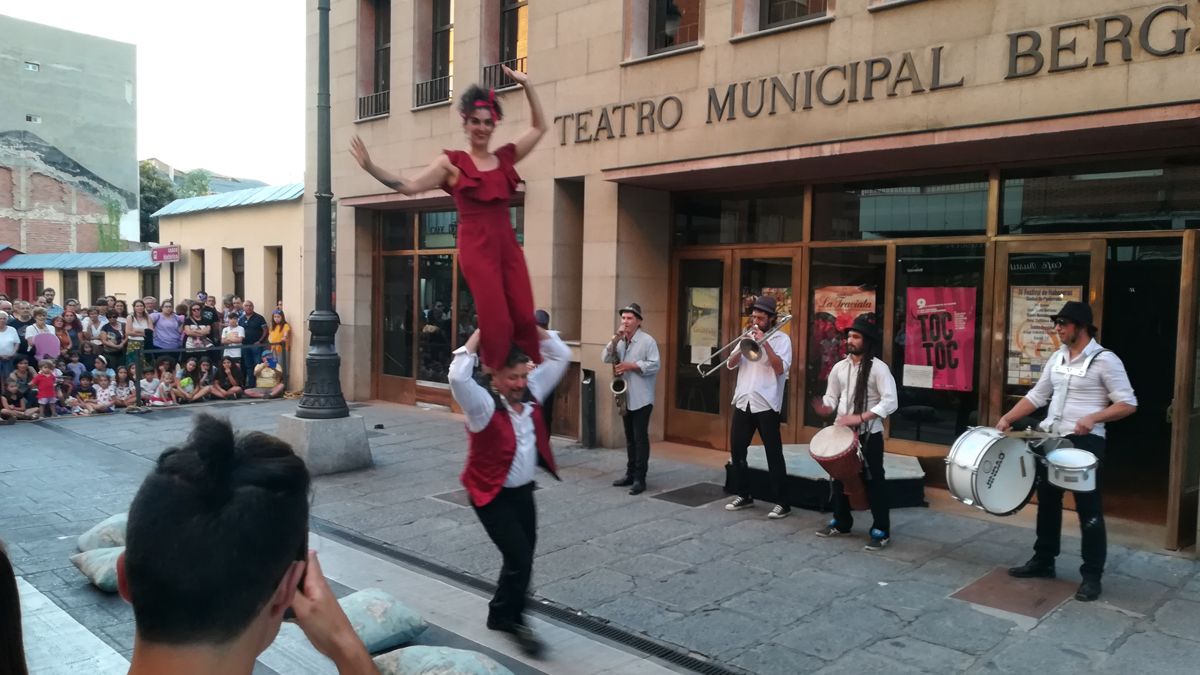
(834,310)
(1031,336)
(939,345)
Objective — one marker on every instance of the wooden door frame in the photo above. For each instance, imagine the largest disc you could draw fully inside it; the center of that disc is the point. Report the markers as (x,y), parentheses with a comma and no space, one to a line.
(717,438)
(1183,493)
(1096,248)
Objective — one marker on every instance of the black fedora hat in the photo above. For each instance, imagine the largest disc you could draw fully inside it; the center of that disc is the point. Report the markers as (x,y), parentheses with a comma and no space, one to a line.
(1078,313)
(633,308)
(865,325)
(765,303)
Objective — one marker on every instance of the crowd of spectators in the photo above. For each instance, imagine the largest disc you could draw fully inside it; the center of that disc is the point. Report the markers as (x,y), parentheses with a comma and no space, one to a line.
(112,355)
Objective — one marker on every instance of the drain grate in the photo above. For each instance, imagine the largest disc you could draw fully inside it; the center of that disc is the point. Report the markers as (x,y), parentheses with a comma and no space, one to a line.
(691,661)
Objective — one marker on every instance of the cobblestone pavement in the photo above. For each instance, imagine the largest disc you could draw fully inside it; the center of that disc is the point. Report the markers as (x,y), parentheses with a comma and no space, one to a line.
(752,594)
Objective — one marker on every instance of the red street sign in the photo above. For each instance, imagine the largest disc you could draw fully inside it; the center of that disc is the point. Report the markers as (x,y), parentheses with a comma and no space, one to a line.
(165,254)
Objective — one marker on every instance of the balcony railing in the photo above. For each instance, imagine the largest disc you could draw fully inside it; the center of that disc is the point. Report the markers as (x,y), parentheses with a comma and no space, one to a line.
(374,105)
(433,91)
(494,77)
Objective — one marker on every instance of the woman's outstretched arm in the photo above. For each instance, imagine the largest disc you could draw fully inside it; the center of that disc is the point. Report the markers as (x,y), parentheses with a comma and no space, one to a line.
(429,178)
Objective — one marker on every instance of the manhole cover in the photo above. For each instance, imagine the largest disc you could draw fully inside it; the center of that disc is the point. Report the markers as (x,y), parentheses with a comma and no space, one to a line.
(1028,597)
(694,495)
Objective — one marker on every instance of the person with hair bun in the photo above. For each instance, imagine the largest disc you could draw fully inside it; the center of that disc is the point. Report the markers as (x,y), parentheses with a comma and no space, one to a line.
(482,183)
(216,552)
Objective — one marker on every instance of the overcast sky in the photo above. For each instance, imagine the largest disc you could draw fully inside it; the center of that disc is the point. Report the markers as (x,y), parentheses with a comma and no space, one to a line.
(220,83)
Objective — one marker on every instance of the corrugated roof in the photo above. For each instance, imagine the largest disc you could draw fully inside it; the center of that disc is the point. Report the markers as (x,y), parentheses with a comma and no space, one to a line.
(80,261)
(229,200)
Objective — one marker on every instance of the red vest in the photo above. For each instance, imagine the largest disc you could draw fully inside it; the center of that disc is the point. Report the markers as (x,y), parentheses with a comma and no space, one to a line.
(490,453)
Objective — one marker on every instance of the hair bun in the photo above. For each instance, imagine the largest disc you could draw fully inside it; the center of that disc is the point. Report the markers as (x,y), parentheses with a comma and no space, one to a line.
(214,442)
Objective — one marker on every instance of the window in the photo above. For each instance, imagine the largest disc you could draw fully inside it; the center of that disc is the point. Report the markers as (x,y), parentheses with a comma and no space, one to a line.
(439,86)
(238,258)
(782,12)
(1161,194)
(705,218)
(438,229)
(96,287)
(375,34)
(35,119)
(436,275)
(514,44)
(673,24)
(278,251)
(33,66)
(70,286)
(198,261)
(150,282)
(905,207)
(396,231)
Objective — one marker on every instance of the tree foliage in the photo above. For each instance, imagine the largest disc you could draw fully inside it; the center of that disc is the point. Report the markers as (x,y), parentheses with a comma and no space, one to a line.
(156,192)
(195,183)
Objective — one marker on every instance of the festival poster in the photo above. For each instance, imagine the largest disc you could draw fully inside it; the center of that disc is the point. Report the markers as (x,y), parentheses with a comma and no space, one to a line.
(939,345)
(1031,336)
(834,310)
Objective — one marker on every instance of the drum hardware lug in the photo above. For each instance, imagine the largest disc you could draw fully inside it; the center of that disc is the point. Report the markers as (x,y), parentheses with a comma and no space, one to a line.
(1023,474)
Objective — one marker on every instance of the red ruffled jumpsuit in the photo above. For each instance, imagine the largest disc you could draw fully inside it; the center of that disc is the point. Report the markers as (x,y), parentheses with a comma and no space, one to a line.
(490,258)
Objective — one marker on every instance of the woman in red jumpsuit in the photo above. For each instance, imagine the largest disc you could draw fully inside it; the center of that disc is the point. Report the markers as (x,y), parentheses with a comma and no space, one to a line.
(482,183)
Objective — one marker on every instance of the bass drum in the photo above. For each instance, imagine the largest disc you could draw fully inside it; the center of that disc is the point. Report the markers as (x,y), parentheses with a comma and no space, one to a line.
(990,471)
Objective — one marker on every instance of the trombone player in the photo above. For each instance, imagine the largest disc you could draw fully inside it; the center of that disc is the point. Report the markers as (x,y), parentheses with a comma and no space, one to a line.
(757,402)
(634,355)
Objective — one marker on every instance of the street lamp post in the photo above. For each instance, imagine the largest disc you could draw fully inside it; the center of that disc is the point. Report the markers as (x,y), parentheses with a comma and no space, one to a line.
(322,397)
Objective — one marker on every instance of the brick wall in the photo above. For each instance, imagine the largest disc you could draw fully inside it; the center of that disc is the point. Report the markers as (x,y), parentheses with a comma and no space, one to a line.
(41,212)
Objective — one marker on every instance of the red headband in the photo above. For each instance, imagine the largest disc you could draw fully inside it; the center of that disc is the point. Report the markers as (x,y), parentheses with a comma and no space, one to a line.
(490,104)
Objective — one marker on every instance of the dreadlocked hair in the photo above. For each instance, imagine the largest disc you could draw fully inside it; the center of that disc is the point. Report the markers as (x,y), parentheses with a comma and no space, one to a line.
(864,375)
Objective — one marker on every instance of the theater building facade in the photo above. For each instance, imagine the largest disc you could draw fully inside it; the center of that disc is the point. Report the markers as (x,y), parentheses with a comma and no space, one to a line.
(958,167)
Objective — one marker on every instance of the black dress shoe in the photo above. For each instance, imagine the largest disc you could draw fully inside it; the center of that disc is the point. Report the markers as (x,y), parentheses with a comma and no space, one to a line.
(526,639)
(1088,591)
(623,482)
(1033,569)
(638,487)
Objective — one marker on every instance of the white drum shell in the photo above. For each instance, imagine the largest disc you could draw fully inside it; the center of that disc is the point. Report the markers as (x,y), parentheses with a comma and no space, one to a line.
(990,471)
(1072,469)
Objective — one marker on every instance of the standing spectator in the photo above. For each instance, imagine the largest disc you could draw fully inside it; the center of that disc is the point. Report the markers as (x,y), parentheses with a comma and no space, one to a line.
(10,341)
(113,336)
(92,323)
(64,337)
(232,336)
(52,310)
(256,332)
(33,330)
(73,326)
(228,381)
(168,329)
(280,335)
(151,303)
(238,305)
(213,317)
(268,376)
(20,318)
(136,328)
(122,310)
(44,383)
(227,306)
(110,301)
(71,305)
(197,332)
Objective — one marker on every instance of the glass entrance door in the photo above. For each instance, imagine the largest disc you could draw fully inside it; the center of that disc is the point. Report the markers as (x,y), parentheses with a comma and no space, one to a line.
(766,273)
(697,404)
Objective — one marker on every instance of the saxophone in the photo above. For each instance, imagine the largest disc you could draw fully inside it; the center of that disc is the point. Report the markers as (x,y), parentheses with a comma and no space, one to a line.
(619,386)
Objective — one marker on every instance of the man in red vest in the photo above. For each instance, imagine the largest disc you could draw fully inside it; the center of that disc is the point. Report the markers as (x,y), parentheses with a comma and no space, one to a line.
(507,440)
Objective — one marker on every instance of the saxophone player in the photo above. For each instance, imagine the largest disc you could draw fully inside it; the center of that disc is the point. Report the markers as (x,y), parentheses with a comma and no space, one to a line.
(634,355)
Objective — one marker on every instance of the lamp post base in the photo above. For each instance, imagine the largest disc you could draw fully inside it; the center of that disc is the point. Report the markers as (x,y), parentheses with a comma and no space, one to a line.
(327,445)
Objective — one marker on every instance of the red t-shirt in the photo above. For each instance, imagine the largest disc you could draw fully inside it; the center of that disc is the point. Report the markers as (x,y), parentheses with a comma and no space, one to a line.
(45,385)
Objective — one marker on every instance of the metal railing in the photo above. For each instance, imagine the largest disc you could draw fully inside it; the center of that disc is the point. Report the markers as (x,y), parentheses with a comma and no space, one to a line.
(374,105)
(432,91)
(494,77)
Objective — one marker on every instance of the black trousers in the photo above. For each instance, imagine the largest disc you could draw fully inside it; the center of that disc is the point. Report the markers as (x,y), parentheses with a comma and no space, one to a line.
(741,432)
(1087,505)
(511,522)
(873,476)
(637,441)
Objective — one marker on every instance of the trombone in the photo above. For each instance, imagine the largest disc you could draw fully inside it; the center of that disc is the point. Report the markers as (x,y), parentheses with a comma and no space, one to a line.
(748,347)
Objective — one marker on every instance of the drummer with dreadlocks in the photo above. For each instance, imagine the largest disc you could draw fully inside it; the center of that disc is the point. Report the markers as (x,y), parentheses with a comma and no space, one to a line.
(482,183)
(862,392)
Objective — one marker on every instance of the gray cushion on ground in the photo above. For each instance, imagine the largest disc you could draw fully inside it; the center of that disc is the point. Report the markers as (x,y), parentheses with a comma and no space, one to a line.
(381,620)
(423,660)
(108,533)
(99,565)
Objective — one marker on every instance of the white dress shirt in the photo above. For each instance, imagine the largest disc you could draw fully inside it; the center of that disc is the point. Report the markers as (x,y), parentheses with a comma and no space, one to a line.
(758,387)
(642,350)
(9,341)
(479,405)
(881,391)
(1074,393)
